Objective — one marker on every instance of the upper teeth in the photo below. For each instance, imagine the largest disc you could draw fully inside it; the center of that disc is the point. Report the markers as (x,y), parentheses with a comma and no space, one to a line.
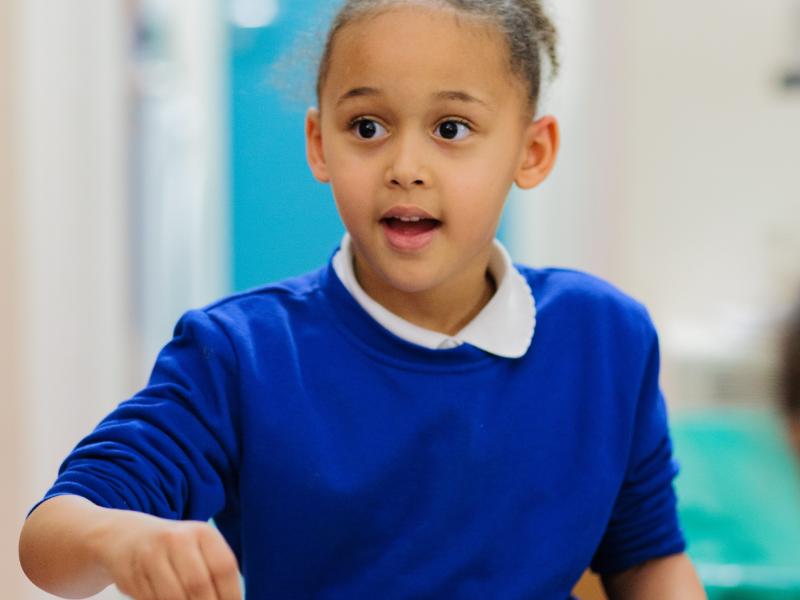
(413,219)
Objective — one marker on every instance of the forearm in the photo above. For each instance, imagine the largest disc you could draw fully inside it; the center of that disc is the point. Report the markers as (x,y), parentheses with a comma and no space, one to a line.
(668,578)
(57,546)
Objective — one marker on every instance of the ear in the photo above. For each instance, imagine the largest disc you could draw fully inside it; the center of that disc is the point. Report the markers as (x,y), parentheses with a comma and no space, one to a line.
(314,151)
(540,148)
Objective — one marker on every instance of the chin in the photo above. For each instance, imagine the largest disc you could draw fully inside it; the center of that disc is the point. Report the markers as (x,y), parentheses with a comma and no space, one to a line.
(410,283)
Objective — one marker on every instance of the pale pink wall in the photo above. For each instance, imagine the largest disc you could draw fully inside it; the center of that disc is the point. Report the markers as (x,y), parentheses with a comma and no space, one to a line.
(69,347)
(66,340)
(11,466)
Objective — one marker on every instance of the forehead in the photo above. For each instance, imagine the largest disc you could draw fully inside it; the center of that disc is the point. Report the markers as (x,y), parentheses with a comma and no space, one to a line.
(414,50)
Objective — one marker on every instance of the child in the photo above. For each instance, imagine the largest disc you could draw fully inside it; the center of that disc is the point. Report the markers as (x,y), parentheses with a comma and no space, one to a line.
(417,419)
(790,377)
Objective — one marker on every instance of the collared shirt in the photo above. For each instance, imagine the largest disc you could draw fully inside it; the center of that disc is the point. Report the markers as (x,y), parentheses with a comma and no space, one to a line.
(503,327)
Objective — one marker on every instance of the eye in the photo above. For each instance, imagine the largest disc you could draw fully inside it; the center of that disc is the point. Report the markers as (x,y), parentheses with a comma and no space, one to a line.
(367,129)
(453,129)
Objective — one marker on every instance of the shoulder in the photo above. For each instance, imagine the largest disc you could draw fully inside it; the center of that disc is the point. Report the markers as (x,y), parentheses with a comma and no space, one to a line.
(297,288)
(267,306)
(583,298)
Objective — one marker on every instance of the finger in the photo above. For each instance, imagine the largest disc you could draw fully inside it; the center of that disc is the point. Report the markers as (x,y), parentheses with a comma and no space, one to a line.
(142,588)
(222,564)
(130,587)
(164,580)
(192,572)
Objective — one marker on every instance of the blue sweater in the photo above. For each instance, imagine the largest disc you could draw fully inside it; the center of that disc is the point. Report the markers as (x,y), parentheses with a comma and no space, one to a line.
(342,462)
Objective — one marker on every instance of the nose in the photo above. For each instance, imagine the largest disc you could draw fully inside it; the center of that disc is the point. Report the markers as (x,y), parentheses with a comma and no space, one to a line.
(407,168)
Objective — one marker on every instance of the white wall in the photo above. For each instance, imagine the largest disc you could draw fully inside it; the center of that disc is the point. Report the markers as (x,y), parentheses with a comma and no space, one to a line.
(180,165)
(570,219)
(712,202)
(712,149)
(677,178)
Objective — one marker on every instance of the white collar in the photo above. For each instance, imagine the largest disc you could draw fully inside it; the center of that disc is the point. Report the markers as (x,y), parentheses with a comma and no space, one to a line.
(504,326)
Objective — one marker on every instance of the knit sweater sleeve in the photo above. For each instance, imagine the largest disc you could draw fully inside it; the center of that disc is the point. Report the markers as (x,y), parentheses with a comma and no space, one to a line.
(170,450)
(644,522)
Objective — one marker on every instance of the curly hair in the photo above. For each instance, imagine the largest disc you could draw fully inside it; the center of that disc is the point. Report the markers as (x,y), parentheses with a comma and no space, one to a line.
(527,30)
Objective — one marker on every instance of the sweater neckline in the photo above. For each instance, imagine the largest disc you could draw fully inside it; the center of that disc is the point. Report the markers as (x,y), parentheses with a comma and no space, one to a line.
(504,326)
(362,329)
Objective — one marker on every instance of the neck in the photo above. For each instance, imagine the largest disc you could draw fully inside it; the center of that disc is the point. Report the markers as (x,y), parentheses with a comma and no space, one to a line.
(448,308)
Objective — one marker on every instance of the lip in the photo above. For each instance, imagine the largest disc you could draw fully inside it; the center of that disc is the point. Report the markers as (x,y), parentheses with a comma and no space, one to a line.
(407,211)
(405,243)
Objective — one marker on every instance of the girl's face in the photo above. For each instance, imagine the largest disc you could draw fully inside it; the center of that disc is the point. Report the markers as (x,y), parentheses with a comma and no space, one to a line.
(421,131)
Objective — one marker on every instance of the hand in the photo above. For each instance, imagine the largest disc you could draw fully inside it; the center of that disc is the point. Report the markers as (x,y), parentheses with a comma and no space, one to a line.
(149,558)
(668,578)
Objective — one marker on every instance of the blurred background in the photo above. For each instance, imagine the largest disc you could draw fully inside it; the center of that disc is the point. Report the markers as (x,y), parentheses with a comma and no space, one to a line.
(151,160)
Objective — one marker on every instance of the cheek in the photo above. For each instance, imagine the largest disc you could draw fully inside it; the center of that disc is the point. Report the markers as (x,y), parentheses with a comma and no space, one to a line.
(353,170)
(351,182)
(354,200)
(492,163)
(479,188)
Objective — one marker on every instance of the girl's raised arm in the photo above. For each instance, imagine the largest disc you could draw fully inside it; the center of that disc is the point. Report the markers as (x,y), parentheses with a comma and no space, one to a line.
(132,501)
(74,549)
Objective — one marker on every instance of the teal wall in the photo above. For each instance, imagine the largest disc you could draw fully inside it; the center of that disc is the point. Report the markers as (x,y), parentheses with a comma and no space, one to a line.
(284,222)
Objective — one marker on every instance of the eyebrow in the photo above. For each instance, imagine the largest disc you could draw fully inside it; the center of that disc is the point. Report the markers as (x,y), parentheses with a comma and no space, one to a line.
(443,95)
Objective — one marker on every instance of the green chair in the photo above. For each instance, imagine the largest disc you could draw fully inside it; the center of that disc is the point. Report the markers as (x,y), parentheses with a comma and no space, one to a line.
(739,502)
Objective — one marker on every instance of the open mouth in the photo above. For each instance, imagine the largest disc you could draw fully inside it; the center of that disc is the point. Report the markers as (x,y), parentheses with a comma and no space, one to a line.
(410,233)
(411,225)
